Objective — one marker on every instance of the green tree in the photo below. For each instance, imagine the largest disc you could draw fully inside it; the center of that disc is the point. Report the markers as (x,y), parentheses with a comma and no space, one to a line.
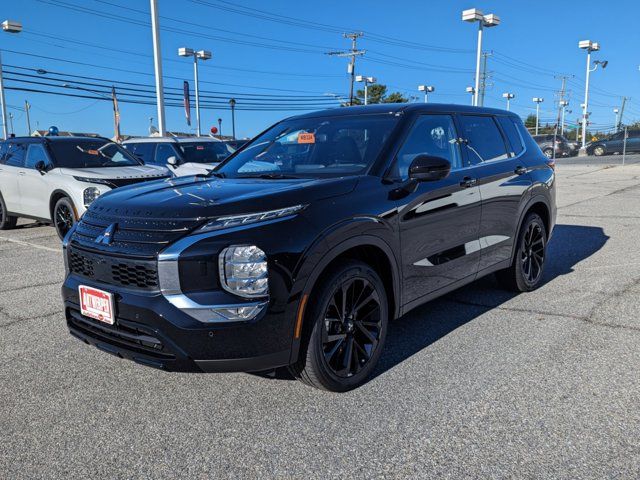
(530,121)
(377,93)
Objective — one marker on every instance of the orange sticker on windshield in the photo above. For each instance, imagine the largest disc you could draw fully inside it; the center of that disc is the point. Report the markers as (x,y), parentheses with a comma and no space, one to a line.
(306,138)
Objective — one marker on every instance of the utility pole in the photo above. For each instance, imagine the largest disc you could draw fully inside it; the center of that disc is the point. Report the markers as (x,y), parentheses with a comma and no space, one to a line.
(27,107)
(484,77)
(352,54)
(619,122)
(157,61)
(562,103)
(11,123)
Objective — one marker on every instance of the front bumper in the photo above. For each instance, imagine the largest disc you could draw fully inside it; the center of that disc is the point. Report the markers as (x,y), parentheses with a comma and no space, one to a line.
(152,331)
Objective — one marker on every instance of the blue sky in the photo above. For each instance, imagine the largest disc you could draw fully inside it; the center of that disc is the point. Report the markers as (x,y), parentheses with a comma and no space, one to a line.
(409,43)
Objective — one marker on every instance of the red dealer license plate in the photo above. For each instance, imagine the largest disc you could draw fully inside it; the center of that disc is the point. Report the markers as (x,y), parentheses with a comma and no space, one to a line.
(96,304)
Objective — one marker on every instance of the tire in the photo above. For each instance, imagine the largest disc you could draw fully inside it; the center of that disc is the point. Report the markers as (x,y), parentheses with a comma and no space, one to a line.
(7,222)
(526,270)
(548,152)
(358,330)
(63,217)
(598,151)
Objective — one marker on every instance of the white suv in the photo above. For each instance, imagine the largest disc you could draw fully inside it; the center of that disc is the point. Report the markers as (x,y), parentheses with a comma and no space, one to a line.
(55,179)
(183,155)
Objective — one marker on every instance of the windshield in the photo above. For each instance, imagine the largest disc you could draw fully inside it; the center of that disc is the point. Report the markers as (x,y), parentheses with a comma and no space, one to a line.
(205,152)
(90,153)
(313,147)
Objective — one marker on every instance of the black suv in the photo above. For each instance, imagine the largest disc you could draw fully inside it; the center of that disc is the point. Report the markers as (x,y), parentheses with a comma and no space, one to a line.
(299,249)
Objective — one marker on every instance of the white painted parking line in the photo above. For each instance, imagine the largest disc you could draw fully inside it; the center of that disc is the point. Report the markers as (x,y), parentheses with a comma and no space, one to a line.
(29,244)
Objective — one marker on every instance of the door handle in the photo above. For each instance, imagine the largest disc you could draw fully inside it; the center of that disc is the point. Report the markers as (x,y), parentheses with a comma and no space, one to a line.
(21,173)
(468,182)
(520,170)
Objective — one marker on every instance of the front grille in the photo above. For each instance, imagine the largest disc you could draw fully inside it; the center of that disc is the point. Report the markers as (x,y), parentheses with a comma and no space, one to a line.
(123,334)
(123,182)
(132,236)
(129,273)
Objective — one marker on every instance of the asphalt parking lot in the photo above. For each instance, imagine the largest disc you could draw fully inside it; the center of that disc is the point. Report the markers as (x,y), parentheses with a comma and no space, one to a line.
(478,384)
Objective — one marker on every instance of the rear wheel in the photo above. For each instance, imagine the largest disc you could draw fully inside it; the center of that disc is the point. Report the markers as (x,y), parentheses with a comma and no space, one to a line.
(599,151)
(548,152)
(525,272)
(64,216)
(347,330)
(7,221)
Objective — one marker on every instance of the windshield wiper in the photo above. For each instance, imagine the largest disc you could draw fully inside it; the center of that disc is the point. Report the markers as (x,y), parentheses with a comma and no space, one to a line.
(216,174)
(269,176)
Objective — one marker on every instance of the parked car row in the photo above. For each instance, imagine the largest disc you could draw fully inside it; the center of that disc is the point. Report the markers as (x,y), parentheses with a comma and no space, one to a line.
(54,179)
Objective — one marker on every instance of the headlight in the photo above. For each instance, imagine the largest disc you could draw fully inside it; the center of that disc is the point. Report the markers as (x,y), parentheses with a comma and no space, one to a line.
(243,271)
(90,194)
(237,220)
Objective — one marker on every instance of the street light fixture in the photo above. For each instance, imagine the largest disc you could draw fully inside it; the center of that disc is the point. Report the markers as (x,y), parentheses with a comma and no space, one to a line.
(508,96)
(367,81)
(538,101)
(8,26)
(474,15)
(202,55)
(472,91)
(427,89)
(589,46)
(617,112)
(232,104)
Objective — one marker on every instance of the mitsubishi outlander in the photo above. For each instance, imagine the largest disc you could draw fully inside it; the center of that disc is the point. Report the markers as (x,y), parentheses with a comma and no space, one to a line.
(300,249)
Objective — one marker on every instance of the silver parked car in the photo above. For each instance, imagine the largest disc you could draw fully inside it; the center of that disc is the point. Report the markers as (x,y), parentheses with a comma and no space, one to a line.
(54,179)
(183,155)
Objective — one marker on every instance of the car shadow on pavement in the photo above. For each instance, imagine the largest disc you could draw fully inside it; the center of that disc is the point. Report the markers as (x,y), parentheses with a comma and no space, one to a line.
(429,323)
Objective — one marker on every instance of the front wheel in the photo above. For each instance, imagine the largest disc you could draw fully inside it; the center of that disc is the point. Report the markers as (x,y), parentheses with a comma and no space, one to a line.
(598,151)
(347,329)
(525,272)
(64,216)
(548,152)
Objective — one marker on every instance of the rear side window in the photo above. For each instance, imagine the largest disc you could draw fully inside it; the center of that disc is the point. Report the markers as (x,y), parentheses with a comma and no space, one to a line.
(14,155)
(509,129)
(484,140)
(144,151)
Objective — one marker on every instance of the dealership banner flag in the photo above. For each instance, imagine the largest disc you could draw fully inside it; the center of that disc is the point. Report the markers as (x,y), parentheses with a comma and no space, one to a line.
(187,107)
(116,114)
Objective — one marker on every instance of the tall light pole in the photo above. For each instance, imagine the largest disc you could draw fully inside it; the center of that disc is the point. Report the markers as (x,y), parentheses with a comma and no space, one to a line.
(563,108)
(202,55)
(508,96)
(589,46)
(474,15)
(427,89)
(9,27)
(367,81)
(538,101)
(472,91)
(616,111)
(220,127)
(232,104)
(157,62)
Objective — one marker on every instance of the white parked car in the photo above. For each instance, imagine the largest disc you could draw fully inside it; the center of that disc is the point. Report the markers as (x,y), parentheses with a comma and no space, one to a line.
(182,155)
(54,179)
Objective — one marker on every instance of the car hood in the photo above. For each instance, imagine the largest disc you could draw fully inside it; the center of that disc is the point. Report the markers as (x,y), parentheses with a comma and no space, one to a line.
(136,171)
(199,197)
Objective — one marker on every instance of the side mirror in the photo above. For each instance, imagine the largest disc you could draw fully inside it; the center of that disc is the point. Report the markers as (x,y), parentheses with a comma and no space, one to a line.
(426,168)
(173,161)
(41,167)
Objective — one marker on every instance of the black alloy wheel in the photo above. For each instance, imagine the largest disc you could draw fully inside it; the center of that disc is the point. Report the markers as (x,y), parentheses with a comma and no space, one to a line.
(6,221)
(345,328)
(63,216)
(352,326)
(532,253)
(527,267)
